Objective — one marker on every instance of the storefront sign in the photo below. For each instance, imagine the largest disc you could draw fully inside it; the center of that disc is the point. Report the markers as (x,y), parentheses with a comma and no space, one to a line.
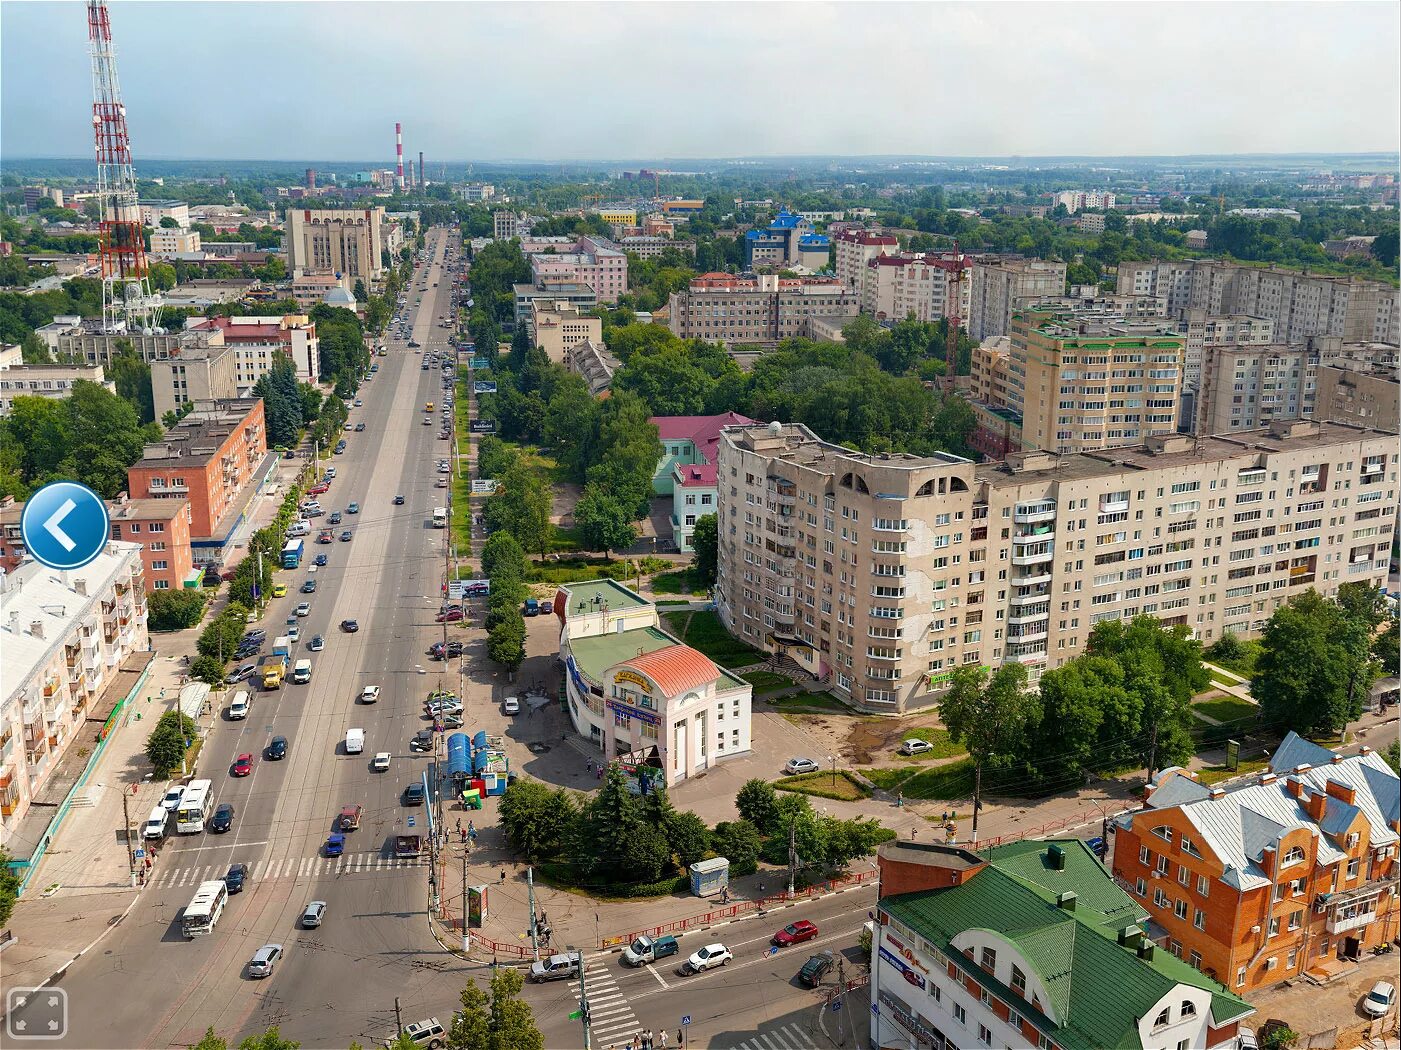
(635,678)
(913,976)
(905,953)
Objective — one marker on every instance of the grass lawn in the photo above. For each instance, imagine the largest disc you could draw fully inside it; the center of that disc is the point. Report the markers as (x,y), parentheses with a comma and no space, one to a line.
(704,631)
(824,785)
(1243,665)
(679,582)
(766,681)
(809,703)
(952,781)
(1215,774)
(944,747)
(1227,709)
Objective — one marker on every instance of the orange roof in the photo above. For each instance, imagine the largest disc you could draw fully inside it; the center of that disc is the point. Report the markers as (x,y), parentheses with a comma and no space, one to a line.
(675,669)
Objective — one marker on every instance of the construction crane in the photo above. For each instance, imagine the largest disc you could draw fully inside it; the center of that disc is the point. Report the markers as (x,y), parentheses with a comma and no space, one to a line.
(126,285)
(955,280)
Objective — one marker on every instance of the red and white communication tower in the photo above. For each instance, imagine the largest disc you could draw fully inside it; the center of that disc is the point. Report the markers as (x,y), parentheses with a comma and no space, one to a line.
(126,286)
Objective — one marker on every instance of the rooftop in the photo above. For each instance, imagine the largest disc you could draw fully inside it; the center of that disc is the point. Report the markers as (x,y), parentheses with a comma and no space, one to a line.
(592,656)
(583,597)
(701,431)
(198,437)
(795,443)
(145,509)
(696,475)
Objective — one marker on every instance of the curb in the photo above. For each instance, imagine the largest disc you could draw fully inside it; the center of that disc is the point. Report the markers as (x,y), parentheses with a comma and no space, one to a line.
(457,953)
(758,913)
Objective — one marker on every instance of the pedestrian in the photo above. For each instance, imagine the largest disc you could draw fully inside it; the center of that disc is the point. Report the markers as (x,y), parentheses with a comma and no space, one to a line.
(600,772)
(503,876)
(663,1039)
(681,1037)
(459,823)
(590,765)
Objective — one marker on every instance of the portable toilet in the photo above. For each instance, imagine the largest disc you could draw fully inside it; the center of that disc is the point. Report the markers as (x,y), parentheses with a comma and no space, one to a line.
(709,877)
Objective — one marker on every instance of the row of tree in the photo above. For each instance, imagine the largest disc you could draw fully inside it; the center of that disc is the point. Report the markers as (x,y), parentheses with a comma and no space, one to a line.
(503,562)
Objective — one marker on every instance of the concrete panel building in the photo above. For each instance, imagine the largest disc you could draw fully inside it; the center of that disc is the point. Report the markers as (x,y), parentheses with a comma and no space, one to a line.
(763,309)
(558,327)
(51,381)
(997,288)
(162,529)
(881,573)
(201,373)
(349,242)
(1366,396)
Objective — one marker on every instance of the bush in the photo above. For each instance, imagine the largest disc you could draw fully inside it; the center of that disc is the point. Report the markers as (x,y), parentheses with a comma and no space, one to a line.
(175,610)
(566,876)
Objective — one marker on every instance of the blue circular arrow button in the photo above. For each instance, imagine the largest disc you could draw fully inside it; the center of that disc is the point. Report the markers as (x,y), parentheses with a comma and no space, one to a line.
(65,525)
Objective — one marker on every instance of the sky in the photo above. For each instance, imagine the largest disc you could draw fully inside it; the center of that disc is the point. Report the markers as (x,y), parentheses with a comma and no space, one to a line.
(325,81)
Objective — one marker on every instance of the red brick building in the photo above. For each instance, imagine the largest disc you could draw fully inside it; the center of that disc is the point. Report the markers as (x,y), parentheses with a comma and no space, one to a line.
(162,527)
(1295,873)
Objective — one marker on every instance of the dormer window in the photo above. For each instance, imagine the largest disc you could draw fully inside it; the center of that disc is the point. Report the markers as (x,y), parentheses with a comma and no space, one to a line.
(1163,1019)
(1189,1008)
(1163,832)
(1295,855)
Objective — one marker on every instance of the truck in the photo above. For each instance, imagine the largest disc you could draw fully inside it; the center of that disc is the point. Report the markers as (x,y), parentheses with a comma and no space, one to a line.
(292,553)
(273,669)
(282,646)
(301,673)
(440,517)
(408,846)
(645,949)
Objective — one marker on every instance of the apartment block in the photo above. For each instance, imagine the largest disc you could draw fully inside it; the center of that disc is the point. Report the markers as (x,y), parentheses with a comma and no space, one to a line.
(65,636)
(580,296)
(911,284)
(201,373)
(350,242)
(167,241)
(1029,944)
(788,241)
(152,212)
(854,249)
(997,288)
(645,247)
(1365,395)
(593,261)
(763,309)
(1292,875)
(1300,304)
(216,457)
(161,527)
(505,225)
(883,572)
(1078,200)
(258,342)
(51,381)
(1203,330)
(558,327)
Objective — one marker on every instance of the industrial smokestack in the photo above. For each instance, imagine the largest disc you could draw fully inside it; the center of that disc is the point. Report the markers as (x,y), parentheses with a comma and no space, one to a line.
(421,183)
(399,153)
(311,178)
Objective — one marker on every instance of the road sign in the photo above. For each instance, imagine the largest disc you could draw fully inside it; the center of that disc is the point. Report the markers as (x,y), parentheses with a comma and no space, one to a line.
(574,1015)
(773,950)
(65,525)
(139,854)
(686,1019)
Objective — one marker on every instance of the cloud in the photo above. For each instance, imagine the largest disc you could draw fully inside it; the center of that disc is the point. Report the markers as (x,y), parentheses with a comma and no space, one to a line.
(559,81)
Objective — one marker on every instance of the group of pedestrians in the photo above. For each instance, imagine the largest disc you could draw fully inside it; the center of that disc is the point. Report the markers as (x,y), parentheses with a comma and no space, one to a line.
(647,1041)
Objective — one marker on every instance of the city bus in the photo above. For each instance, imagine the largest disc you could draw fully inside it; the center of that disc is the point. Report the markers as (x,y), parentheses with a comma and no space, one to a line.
(194,807)
(292,553)
(201,915)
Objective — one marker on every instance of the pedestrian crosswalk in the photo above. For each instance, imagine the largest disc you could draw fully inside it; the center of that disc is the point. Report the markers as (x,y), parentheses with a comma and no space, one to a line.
(284,868)
(787,1037)
(611,1020)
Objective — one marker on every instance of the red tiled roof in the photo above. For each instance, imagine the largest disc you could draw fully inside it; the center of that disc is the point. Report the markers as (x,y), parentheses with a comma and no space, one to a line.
(697,475)
(675,669)
(704,431)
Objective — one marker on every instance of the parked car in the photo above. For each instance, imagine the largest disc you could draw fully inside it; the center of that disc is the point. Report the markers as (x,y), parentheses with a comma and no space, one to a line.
(235,877)
(449,616)
(313,914)
(800,765)
(795,933)
(915,746)
(1379,1000)
(556,967)
(264,960)
(511,705)
(816,968)
(707,958)
(428,1032)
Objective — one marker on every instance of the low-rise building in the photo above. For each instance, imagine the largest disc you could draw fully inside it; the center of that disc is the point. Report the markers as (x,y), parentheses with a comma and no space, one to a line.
(1029,944)
(65,636)
(309,288)
(205,372)
(162,529)
(88,342)
(558,327)
(594,363)
(1291,875)
(636,692)
(51,381)
(217,458)
(259,341)
(172,241)
(688,441)
(763,309)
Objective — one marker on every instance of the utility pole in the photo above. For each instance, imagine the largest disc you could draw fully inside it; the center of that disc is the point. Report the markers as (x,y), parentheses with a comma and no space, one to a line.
(466,944)
(534,926)
(126,828)
(841,996)
(583,1002)
(977,798)
(398,1017)
(792,856)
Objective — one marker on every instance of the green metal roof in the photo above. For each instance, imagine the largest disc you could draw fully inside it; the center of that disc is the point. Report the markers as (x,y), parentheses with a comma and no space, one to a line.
(1099,989)
(595,655)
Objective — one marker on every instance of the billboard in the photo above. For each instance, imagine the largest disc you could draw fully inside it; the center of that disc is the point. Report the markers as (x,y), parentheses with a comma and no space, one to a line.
(483,486)
(483,426)
(484,386)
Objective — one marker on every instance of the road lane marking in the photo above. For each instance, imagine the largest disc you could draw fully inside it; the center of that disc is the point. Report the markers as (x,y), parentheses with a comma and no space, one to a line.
(655,973)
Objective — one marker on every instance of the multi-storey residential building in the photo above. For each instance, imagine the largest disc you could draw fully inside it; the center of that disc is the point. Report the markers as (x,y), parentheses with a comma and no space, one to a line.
(1078,200)
(763,309)
(167,241)
(854,249)
(51,381)
(1300,304)
(310,288)
(152,212)
(997,288)
(1089,221)
(883,572)
(910,284)
(580,296)
(350,242)
(216,457)
(201,373)
(1029,944)
(1085,385)
(12,552)
(1362,393)
(590,260)
(558,327)
(787,241)
(65,636)
(260,341)
(505,225)
(1269,881)
(635,691)
(1203,331)
(645,247)
(162,529)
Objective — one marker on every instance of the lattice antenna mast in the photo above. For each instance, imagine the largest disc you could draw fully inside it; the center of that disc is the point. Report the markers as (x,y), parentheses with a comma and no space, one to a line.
(126,285)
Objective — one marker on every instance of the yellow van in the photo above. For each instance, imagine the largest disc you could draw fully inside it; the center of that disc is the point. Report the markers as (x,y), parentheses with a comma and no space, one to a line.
(428,406)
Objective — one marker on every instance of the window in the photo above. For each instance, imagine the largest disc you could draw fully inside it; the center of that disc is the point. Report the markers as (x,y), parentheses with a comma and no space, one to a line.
(1199,919)
(1140,887)
(1293,856)
(1179,909)
(960,1014)
(1018,981)
(1189,1008)
(1203,885)
(984,1035)
(990,960)
(1160,899)
(1163,1018)
(1240,977)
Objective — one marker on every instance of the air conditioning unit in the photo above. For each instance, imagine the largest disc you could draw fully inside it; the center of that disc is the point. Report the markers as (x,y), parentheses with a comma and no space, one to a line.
(1271,962)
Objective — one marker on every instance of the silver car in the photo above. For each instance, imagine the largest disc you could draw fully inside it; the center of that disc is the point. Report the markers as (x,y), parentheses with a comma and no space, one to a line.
(264,960)
(314,913)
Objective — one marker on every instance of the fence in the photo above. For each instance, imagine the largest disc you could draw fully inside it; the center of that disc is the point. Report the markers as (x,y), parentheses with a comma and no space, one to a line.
(733,911)
(1080,819)
(478,941)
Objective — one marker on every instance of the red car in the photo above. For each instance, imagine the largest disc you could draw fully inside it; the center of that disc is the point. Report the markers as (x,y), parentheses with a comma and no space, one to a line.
(317,490)
(325,537)
(795,933)
(243,765)
(450,616)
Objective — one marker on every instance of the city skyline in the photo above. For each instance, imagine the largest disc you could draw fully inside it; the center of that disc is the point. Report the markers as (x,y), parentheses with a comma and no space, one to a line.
(465,96)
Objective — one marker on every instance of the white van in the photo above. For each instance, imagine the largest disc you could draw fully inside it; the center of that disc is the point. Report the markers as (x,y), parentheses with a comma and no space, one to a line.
(238,707)
(154,828)
(298,528)
(301,673)
(354,741)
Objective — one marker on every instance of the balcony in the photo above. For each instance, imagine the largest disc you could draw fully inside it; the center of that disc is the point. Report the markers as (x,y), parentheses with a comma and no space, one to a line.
(1045,534)
(1342,921)
(1034,632)
(1037,656)
(1030,613)
(1032,579)
(1038,555)
(1113,506)
(1033,594)
(1041,510)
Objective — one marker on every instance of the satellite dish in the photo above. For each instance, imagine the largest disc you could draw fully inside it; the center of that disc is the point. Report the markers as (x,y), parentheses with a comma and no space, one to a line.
(775,429)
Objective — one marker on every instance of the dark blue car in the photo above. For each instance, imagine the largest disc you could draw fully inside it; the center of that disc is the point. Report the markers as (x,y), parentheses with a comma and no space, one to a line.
(335,845)
(235,878)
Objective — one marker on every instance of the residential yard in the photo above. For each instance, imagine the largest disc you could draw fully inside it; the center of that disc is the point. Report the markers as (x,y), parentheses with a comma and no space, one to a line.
(704,631)
(1227,709)
(839,785)
(1215,774)
(681,581)
(766,681)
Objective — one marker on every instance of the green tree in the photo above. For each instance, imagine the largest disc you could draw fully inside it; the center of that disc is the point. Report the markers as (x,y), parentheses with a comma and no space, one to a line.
(705,541)
(1392,755)
(503,558)
(211,1041)
(988,714)
(503,1021)
(132,378)
(736,840)
(521,506)
(506,643)
(270,1040)
(605,524)
(35,351)
(165,748)
(9,889)
(207,669)
(609,839)
(687,837)
(537,821)
(1385,649)
(1384,248)
(174,610)
(757,803)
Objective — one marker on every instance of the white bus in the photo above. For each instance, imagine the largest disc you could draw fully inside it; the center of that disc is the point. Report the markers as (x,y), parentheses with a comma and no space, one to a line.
(193,810)
(440,517)
(201,915)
